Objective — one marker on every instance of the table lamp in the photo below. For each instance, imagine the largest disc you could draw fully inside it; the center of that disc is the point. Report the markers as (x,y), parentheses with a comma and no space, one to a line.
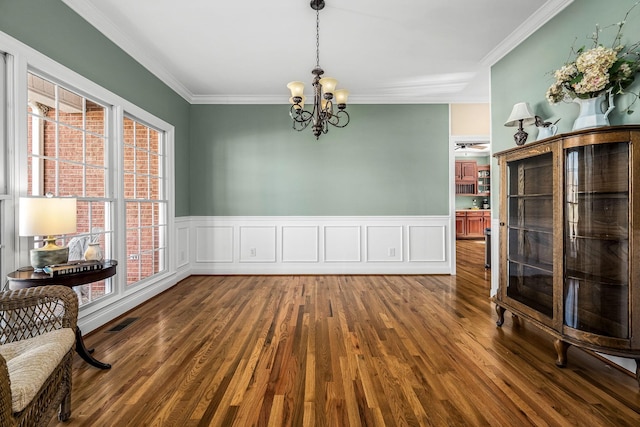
(521,115)
(47,216)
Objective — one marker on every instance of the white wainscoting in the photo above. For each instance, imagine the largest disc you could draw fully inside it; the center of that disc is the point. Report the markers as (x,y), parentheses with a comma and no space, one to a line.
(315,245)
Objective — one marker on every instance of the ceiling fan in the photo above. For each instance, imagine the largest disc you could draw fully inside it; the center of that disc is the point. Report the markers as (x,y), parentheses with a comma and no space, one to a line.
(476,145)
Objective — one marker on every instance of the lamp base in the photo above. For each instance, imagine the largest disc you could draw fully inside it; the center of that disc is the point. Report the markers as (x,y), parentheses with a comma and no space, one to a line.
(520,137)
(49,254)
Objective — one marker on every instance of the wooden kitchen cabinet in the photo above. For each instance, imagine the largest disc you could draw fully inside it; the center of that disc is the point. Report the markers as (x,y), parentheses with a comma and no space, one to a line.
(466,170)
(476,223)
(461,225)
(472,179)
(466,178)
(568,224)
(471,223)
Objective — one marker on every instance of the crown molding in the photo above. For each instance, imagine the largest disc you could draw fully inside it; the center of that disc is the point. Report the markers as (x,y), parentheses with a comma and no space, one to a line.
(543,15)
(353,100)
(240,99)
(92,15)
(111,31)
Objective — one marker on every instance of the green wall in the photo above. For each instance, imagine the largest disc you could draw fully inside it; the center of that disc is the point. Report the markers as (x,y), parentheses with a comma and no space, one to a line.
(525,74)
(246,160)
(390,160)
(53,29)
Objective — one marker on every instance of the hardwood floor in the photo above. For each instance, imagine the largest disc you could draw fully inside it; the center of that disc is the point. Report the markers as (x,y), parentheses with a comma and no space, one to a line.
(341,351)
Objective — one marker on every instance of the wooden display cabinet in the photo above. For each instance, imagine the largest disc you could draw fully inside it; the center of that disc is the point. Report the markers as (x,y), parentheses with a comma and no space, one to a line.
(568,225)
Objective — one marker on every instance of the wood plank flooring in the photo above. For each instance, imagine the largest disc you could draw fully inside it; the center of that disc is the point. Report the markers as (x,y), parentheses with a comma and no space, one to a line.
(341,351)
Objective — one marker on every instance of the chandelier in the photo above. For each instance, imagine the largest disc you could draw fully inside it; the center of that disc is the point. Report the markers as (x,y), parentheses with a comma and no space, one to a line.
(323,112)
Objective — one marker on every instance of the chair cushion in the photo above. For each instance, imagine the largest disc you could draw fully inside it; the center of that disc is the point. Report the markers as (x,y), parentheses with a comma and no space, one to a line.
(31,361)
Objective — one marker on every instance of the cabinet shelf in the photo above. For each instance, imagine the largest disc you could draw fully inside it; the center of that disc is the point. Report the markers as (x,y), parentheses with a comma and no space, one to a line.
(541,230)
(567,242)
(599,280)
(618,237)
(610,194)
(543,267)
(530,196)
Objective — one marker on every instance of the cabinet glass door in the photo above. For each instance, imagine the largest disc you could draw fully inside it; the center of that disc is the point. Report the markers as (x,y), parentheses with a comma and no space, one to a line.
(530,232)
(596,215)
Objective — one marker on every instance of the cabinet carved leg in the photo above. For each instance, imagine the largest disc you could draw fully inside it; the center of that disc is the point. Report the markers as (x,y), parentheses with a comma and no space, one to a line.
(500,312)
(561,349)
(638,371)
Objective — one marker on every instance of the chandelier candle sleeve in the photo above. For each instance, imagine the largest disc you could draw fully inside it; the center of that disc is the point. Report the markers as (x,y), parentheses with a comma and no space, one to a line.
(298,105)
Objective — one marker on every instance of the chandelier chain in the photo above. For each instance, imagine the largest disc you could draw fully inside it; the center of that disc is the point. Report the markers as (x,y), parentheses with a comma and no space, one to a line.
(318,38)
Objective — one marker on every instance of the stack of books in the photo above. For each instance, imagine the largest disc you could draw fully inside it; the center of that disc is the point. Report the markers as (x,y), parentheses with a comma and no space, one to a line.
(72,268)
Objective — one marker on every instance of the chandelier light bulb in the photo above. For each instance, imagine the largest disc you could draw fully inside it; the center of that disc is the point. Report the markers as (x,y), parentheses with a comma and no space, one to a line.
(341,96)
(328,85)
(296,88)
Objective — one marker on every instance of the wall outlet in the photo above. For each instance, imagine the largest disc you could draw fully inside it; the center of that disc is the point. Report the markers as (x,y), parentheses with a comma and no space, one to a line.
(252,252)
(392,251)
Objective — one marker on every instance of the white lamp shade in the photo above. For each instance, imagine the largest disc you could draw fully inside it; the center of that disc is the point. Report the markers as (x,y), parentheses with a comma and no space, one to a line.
(296,88)
(341,96)
(521,111)
(328,84)
(47,216)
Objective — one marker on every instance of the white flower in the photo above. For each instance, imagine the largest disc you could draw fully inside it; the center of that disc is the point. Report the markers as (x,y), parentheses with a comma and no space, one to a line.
(598,69)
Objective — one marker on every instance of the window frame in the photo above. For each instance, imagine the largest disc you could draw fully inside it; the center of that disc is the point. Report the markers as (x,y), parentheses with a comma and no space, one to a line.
(22,60)
(58,122)
(4,164)
(164,178)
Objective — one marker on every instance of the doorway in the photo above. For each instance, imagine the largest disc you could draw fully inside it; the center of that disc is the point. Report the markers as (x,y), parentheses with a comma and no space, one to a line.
(470,189)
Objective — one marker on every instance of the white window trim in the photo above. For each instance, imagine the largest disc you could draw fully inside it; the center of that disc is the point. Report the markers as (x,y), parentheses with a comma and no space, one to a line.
(4,173)
(23,59)
(165,177)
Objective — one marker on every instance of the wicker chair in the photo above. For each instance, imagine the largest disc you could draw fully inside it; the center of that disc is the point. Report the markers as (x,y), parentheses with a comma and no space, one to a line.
(37,333)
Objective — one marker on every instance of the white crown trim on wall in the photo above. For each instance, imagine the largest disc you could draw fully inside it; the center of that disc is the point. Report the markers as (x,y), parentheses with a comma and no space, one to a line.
(113,33)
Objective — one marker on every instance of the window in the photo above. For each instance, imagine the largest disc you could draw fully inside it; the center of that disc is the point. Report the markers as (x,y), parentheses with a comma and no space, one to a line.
(145,200)
(64,134)
(67,144)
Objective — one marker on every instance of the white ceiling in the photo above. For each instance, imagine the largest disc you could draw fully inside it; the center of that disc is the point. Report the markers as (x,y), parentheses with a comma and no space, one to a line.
(400,51)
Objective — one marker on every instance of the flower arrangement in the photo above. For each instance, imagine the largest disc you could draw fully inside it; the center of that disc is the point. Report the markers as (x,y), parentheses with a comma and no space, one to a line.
(598,70)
